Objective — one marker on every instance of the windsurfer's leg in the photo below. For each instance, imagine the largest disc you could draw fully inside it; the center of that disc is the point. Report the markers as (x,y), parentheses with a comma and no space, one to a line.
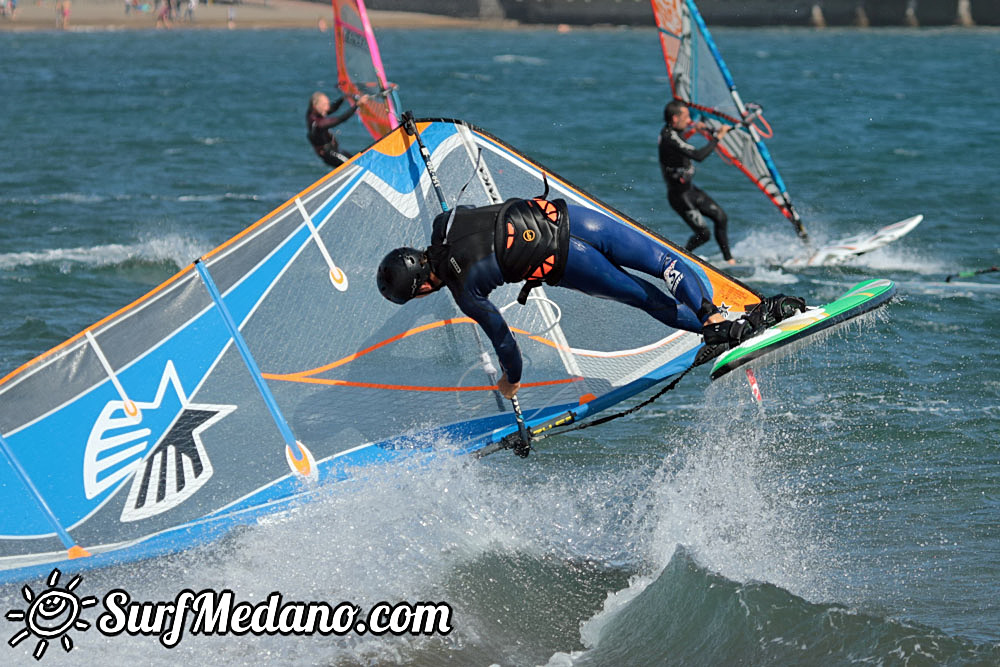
(624,246)
(683,204)
(711,209)
(333,158)
(588,270)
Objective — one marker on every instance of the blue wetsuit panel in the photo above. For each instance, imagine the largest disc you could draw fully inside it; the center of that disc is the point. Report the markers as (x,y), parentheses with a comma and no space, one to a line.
(599,249)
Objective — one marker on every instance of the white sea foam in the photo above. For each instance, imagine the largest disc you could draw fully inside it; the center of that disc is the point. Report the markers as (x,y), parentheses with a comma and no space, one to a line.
(395,533)
(722,497)
(180,250)
(512,58)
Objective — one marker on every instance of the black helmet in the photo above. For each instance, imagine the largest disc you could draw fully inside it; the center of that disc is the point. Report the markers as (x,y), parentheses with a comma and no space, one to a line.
(401,273)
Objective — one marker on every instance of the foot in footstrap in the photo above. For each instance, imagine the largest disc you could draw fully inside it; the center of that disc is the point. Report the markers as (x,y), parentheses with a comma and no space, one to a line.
(774,309)
(722,336)
(709,352)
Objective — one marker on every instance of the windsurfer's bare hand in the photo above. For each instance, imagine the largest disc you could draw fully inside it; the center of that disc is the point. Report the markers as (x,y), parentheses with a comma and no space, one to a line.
(506,388)
(723,130)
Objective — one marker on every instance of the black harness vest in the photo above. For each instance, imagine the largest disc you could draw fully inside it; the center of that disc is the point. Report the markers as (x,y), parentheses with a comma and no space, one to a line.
(529,236)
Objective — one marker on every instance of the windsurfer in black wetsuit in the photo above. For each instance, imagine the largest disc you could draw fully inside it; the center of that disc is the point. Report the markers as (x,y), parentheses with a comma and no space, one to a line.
(475,250)
(320,122)
(690,201)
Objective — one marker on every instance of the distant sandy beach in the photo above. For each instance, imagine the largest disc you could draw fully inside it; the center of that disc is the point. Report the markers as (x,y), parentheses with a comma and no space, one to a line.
(88,15)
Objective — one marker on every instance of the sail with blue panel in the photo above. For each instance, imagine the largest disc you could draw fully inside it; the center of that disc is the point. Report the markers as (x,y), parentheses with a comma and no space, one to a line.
(272,365)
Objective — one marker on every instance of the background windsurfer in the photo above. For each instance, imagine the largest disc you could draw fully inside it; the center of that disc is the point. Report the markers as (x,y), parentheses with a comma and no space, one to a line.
(319,122)
(474,250)
(690,201)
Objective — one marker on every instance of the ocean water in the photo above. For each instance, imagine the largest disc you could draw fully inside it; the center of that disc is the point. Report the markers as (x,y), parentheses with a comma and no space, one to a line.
(853,517)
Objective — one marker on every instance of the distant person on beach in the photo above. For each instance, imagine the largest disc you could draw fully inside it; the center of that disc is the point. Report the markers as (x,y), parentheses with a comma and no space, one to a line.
(163,15)
(62,14)
(690,201)
(319,121)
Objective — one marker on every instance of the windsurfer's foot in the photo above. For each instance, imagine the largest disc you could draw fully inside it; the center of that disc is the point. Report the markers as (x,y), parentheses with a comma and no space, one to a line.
(709,352)
(774,309)
(727,332)
(731,262)
(722,336)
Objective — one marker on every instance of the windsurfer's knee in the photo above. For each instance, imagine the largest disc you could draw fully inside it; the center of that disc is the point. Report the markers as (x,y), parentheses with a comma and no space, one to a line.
(700,236)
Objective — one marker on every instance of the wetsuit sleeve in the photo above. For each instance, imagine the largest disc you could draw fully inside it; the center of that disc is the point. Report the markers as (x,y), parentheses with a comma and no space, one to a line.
(673,141)
(486,315)
(327,122)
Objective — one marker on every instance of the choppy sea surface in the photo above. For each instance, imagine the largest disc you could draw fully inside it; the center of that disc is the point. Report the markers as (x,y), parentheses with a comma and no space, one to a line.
(853,517)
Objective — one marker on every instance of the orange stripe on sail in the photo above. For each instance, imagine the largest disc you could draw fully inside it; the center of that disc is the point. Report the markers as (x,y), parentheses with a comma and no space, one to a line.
(306,375)
(398,142)
(351,357)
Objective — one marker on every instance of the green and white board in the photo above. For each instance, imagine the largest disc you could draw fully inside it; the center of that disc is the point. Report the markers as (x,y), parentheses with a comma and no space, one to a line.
(860,299)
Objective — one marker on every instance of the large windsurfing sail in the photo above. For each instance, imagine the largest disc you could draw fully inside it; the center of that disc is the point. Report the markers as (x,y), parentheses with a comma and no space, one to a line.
(359,68)
(699,77)
(273,360)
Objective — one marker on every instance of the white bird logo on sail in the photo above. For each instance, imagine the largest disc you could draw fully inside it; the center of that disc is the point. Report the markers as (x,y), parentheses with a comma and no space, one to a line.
(172,469)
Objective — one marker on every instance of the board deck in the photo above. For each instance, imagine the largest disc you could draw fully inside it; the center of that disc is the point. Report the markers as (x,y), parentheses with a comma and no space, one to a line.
(862,298)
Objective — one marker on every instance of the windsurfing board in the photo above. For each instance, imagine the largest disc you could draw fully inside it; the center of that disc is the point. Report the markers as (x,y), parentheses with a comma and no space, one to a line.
(860,299)
(844,249)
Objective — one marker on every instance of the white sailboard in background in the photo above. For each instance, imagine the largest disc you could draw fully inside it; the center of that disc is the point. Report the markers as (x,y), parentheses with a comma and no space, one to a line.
(843,250)
(700,78)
